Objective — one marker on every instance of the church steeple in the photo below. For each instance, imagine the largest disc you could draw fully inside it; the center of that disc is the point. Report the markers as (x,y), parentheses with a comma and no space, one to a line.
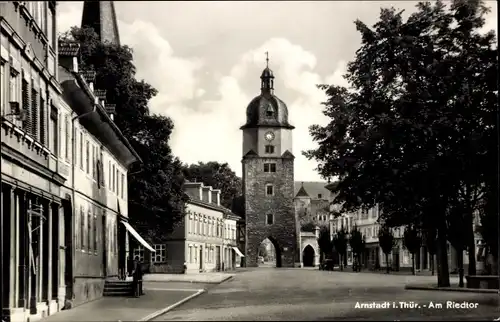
(101,16)
(267,78)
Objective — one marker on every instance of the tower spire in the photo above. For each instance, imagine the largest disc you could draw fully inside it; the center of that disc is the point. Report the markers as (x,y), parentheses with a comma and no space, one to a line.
(101,16)
(267,78)
(267,59)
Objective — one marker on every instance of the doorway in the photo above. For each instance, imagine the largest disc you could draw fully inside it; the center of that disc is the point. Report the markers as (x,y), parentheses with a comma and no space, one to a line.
(201,258)
(308,256)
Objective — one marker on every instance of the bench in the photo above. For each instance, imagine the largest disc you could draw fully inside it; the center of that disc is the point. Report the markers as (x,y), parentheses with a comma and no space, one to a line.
(482,281)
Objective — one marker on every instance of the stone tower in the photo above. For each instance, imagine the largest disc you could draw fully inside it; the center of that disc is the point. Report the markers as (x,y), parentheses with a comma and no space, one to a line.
(268,184)
(101,16)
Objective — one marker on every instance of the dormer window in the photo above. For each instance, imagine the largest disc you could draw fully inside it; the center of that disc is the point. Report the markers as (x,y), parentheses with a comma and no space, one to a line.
(269,111)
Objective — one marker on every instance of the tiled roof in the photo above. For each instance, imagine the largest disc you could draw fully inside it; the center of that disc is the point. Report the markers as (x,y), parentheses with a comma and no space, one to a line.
(88,75)
(67,48)
(313,189)
(302,192)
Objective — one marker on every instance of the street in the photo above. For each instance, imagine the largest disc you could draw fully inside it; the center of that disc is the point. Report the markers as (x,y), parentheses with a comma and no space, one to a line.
(264,294)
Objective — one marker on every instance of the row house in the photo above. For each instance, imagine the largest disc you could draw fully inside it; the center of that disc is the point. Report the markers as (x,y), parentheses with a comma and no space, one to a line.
(206,238)
(32,175)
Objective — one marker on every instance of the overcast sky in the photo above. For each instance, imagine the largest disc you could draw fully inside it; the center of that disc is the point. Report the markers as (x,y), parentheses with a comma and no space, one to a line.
(205,59)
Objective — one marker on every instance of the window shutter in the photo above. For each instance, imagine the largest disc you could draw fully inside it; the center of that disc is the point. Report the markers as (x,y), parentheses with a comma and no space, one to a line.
(26,106)
(43,138)
(68,149)
(34,113)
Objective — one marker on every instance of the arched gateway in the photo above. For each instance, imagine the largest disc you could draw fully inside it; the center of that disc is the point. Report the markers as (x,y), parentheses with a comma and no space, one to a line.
(268,186)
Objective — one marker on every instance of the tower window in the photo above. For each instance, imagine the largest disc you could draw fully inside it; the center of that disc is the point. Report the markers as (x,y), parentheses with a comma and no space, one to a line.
(269,167)
(269,149)
(269,219)
(319,196)
(269,190)
(269,111)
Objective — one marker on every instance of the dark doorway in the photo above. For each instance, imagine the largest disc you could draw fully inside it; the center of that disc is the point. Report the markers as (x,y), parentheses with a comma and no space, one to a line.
(68,250)
(122,249)
(308,256)
(201,258)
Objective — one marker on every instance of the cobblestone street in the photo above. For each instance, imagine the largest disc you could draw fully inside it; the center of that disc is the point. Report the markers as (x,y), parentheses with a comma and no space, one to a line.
(297,294)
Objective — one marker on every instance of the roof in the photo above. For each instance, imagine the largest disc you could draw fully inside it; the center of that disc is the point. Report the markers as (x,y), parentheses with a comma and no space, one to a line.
(101,93)
(312,188)
(227,212)
(302,192)
(257,108)
(68,48)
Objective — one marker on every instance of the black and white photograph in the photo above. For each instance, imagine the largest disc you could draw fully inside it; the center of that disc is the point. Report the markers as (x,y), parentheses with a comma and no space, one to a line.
(249,161)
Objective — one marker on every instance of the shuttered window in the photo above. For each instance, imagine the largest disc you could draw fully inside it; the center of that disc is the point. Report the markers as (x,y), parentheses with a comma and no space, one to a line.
(83,228)
(25,97)
(67,136)
(55,128)
(90,221)
(34,113)
(43,122)
(95,233)
(109,175)
(87,156)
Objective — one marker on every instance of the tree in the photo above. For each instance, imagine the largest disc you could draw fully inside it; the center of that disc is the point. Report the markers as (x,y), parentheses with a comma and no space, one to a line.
(155,193)
(219,176)
(357,242)
(458,238)
(430,236)
(386,242)
(310,227)
(324,243)
(415,133)
(340,244)
(412,242)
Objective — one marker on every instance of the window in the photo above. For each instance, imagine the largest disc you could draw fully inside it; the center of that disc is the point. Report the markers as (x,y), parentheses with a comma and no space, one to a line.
(54,140)
(90,220)
(62,138)
(139,252)
(94,233)
(43,118)
(109,175)
(320,195)
(196,254)
(269,111)
(160,255)
(93,162)
(269,190)
(113,182)
(116,183)
(13,88)
(87,157)
(81,150)
(67,136)
(269,149)
(364,214)
(3,110)
(269,167)
(50,26)
(82,228)
(26,105)
(122,185)
(190,254)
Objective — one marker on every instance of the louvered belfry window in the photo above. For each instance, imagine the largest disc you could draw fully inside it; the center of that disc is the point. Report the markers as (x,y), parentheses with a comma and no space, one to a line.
(26,106)
(34,113)
(43,125)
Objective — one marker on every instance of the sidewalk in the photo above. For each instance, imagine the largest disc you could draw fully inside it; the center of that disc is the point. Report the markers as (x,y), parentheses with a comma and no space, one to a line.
(453,288)
(206,278)
(123,309)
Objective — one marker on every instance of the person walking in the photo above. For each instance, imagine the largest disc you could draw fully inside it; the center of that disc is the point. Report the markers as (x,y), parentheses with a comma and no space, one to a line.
(135,276)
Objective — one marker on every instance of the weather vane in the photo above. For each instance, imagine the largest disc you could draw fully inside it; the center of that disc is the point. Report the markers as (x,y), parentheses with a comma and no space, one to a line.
(267,59)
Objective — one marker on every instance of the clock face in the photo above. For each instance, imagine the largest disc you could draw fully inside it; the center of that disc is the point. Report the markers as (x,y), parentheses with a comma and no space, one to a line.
(269,136)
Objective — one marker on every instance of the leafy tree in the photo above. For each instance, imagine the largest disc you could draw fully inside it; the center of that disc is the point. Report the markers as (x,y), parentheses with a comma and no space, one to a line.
(156,197)
(358,245)
(219,176)
(386,242)
(458,233)
(340,242)
(309,227)
(412,242)
(415,134)
(324,243)
(489,232)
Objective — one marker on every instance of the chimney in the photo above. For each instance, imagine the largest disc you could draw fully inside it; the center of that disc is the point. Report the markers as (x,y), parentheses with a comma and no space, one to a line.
(193,190)
(68,55)
(216,196)
(207,194)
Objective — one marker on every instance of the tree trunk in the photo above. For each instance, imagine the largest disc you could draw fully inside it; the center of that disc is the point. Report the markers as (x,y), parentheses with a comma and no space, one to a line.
(460,262)
(432,264)
(387,262)
(442,259)
(413,264)
(472,248)
(341,262)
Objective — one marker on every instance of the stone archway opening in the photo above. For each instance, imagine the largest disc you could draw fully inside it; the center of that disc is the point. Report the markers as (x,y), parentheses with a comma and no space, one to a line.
(269,254)
(308,255)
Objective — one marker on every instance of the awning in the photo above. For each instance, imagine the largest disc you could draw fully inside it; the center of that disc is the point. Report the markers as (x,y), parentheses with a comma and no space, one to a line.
(137,236)
(238,252)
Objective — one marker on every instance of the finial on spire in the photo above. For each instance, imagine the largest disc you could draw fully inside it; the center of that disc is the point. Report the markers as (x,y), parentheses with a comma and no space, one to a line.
(267,59)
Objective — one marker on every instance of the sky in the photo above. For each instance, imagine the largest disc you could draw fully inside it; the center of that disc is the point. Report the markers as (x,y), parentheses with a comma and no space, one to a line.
(205,60)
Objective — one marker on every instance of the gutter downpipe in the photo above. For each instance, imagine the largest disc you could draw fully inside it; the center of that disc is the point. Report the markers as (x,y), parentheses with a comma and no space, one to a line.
(73,190)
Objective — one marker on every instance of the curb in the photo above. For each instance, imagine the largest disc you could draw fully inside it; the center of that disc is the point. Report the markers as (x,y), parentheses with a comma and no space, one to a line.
(450,289)
(193,282)
(171,307)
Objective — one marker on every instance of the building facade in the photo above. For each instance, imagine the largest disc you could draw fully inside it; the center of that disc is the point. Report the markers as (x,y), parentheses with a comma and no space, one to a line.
(268,165)
(205,240)
(32,175)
